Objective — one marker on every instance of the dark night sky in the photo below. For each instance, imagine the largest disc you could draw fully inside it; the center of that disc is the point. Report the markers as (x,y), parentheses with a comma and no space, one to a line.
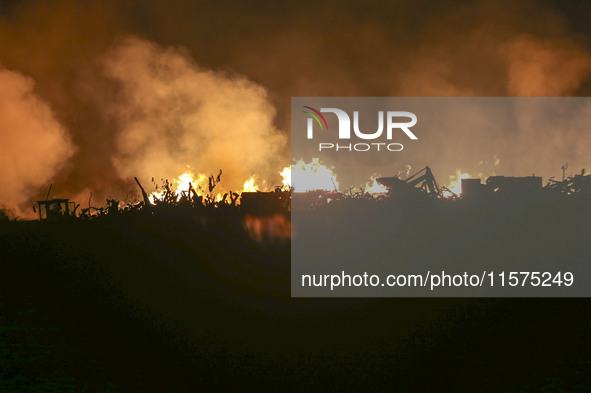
(96,92)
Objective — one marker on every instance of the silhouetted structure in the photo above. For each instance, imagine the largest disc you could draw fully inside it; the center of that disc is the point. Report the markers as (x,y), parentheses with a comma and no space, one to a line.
(54,209)
(260,202)
(573,184)
(422,181)
(506,184)
(472,188)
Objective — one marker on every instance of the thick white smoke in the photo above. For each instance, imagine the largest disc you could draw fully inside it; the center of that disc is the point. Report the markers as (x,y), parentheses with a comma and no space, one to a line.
(34,145)
(173,114)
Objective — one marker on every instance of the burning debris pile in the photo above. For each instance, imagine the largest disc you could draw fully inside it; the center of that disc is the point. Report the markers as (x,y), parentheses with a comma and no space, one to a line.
(185,193)
(191,202)
(183,196)
(572,184)
(423,185)
(197,196)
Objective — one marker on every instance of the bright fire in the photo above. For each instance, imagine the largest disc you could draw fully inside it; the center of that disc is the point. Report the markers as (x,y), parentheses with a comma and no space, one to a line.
(455,184)
(310,177)
(375,187)
(200,185)
(286,175)
(182,184)
(249,185)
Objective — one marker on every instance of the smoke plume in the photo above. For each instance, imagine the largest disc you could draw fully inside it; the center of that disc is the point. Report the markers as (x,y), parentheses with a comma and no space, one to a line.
(173,116)
(35,146)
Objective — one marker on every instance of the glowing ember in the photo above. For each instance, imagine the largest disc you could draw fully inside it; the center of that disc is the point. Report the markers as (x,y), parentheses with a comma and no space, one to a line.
(311,177)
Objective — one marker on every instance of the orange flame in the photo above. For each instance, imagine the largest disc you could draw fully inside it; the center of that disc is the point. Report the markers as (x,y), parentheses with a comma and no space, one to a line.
(182,184)
(249,185)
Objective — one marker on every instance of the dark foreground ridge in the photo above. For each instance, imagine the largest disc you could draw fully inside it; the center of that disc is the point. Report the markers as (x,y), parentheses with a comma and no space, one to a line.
(140,301)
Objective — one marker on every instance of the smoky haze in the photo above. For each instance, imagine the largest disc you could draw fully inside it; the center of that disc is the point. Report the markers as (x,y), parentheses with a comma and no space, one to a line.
(146,88)
(173,116)
(483,133)
(29,129)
